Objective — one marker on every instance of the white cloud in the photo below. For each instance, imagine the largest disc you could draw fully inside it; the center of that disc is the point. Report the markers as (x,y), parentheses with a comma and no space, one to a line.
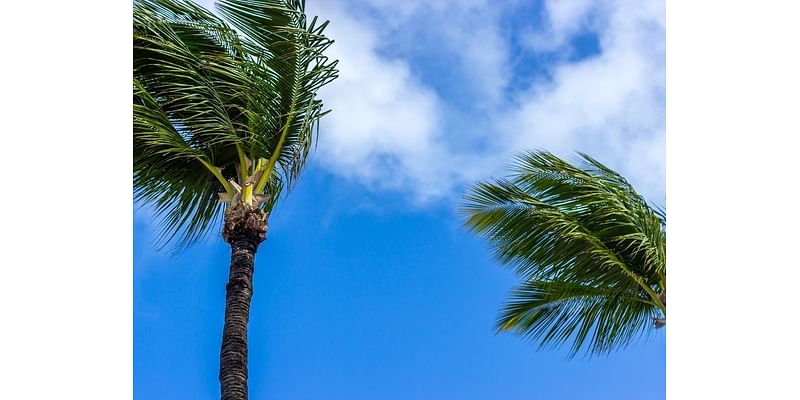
(466,33)
(564,19)
(383,130)
(610,106)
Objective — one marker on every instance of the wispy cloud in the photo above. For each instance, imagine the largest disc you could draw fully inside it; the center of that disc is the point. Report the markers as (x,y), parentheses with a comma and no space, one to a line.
(610,105)
(401,124)
(383,130)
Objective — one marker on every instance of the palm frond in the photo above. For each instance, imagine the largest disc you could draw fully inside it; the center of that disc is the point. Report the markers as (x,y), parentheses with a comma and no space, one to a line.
(556,223)
(291,66)
(595,318)
(213,105)
(168,174)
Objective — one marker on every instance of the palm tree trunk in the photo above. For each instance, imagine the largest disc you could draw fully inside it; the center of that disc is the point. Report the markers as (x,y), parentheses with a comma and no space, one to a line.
(244,230)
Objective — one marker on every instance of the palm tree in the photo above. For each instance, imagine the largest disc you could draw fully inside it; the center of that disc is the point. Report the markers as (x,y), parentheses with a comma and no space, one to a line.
(224,116)
(590,252)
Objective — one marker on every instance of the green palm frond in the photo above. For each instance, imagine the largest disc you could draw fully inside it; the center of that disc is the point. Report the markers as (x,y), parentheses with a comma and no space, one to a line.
(590,251)
(290,52)
(221,103)
(555,312)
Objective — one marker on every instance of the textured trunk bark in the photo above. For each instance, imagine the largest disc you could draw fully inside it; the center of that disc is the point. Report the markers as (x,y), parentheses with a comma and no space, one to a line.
(244,229)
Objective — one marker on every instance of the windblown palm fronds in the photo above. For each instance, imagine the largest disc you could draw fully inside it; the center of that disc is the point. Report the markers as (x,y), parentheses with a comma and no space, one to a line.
(589,250)
(224,111)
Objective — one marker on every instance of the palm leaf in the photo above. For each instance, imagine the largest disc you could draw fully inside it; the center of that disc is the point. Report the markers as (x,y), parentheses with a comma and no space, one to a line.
(567,231)
(219,100)
(598,318)
(290,53)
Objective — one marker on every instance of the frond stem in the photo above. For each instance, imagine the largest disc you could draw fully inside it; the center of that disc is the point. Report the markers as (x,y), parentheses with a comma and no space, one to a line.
(637,278)
(218,175)
(247,194)
(262,182)
(652,294)
(243,170)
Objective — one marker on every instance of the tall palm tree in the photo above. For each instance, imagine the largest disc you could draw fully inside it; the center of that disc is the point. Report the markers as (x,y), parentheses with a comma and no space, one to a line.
(224,115)
(590,252)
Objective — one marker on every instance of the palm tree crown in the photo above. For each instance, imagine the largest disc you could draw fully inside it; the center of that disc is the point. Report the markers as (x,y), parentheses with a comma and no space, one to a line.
(220,117)
(590,251)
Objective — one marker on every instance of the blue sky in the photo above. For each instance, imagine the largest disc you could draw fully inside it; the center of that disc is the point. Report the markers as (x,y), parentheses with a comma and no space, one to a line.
(367,286)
